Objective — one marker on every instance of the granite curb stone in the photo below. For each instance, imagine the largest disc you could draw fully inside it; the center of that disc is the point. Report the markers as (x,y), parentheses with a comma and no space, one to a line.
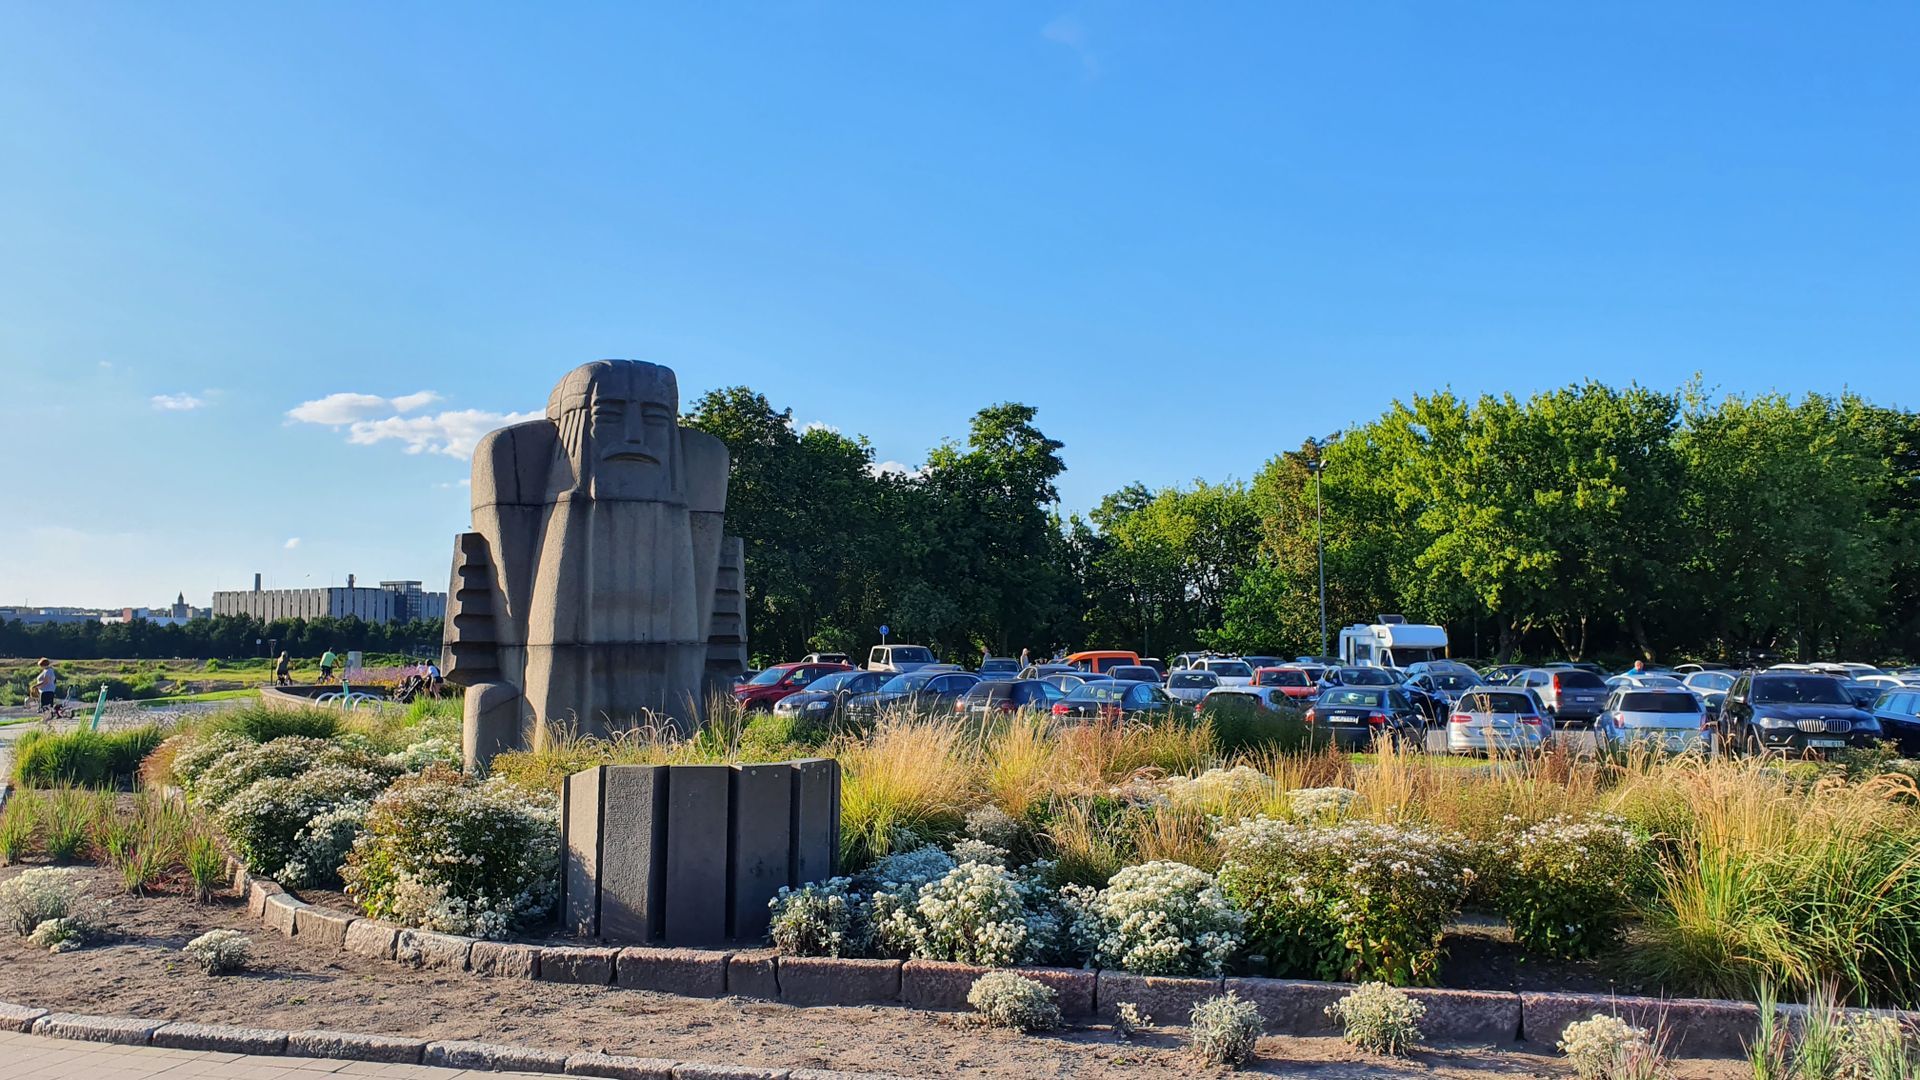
(938,984)
(691,1070)
(1168,1000)
(620,1067)
(499,1057)
(1491,1017)
(371,938)
(826,980)
(352,1046)
(754,974)
(18,1017)
(1287,1006)
(323,925)
(257,894)
(222,1037)
(574,964)
(505,960)
(687,972)
(1697,1027)
(431,949)
(107,1029)
(280,911)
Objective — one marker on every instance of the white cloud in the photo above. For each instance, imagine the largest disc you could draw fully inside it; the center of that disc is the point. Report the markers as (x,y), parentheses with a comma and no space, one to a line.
(1070,32)
(292,542)
(371,419)
(896,468)
(176,402)
(817,425)
(106,365)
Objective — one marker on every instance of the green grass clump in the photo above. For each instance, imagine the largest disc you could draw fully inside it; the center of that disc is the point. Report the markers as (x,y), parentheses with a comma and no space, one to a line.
(90,758)
(262,723)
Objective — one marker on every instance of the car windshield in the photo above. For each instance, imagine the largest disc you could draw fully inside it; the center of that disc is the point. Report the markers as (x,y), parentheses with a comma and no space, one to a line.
(1799,690)
(1664,682)
(1367,676)
(1712,680)
(769,677)
(1575,679)
(835,681)
(1283,677)
(1097,691)
(987,691)
(909,682)
(1135,674)
(910,654)
(1454,680)
(1654,701)
(1230,669)
(1193,680)
(999,665)
(1504,704)
(1345,696)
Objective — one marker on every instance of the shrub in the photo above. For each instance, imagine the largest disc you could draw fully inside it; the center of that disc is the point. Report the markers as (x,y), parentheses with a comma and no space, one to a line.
(903,786)
(1568,884)
(60,935)
(19,825)
(206,867)
(992,825)
(974,914)
(1600,1046)
(92,758)
(292,756)
(1006,1000)
(1321,804)
(1129,1020)
(819,919)
(37,896)
(1157,918)
(1242,727)
(291,827)
(264,723)
(443,852)
(220,952)
(69,825)
(1358,900)
(1223,1030)
(1219,790)
(1379,1019)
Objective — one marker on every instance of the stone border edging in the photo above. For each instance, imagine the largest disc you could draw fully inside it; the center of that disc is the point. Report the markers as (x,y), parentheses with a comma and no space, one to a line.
(387,1049)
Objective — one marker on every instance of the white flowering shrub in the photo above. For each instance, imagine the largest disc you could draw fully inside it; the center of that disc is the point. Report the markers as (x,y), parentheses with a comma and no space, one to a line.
(1006,1000)
(824,918)
(271,824)
(1567,884)
(1157,918)
(1218,789)
(974,914)
(979,851)
(1223,1029)
(443,852)
(425,754)
(992,825)
(1379,1019)
(42,895)
(242,764)
(220,952)
(60,935)
(197,754)
(1600,1047)
(1355,900)
(1322,804)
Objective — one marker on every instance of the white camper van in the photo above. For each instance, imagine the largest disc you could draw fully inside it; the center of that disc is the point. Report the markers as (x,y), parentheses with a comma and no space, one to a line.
(1391,641)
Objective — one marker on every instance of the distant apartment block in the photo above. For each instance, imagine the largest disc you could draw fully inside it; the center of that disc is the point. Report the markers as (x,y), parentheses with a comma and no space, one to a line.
(392,601)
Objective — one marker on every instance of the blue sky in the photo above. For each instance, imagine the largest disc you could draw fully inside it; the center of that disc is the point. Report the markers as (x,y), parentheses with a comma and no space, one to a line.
(1190,234)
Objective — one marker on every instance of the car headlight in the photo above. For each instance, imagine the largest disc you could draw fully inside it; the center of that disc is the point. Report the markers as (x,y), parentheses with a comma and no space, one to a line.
(813,706)
(1773,722)
(1867,724)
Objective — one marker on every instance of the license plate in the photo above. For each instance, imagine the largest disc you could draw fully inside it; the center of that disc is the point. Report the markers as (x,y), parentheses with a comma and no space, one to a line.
(1346,719)
(1827,744)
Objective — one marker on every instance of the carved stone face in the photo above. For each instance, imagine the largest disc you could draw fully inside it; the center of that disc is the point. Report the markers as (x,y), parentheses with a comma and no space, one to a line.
(619,424)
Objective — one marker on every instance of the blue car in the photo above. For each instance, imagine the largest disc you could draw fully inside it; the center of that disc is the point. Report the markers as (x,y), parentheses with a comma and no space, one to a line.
(1899,714)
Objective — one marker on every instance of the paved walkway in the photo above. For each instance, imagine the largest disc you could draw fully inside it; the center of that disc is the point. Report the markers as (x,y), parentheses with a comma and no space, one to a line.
(35,1057)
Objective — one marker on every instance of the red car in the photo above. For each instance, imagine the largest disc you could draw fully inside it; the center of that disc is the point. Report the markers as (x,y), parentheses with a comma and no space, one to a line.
(1295,682)
(760,692)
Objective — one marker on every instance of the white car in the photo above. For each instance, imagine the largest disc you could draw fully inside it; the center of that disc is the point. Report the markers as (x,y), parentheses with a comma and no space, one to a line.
(1890,682)
(1190,684)
(1230,670)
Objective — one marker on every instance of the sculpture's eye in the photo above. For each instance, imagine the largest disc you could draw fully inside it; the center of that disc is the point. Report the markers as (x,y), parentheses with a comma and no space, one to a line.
(656,414)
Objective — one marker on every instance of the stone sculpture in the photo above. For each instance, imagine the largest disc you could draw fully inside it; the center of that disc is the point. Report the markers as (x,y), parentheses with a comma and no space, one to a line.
(597,586)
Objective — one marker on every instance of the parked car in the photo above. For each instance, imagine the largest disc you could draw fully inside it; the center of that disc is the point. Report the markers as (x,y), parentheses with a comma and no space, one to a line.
(1862,694)
(1670,718)
(1290,679)
(1351,716)
(1502,674)
(1099,660)
(1231,670)
(1000,667)
(1134,673)
(759,693)
(1041,671)
(1258,662)
(1114,699)
(1266,698)
(1898,712)
(898,658)
(827,658)
(990,696)
(1794,711)
(824,698)
(1496,720)
(1890,681)
(915,690)
(1647,681)
(1712,686)
(1443,679)
(1578,665)
(1572,696)
(1359,676)
(1068,681)
(1156,664)
(1190,684)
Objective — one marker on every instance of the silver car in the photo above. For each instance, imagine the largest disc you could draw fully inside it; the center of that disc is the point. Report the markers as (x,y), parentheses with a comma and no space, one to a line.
(1496,720)
(1190,684)
(1665,718)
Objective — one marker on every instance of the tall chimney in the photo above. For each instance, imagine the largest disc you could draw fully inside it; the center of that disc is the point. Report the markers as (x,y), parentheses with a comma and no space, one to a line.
(349,581)
(256,583)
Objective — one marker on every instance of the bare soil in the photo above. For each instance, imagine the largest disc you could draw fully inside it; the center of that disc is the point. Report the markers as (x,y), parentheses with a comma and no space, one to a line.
(140,972)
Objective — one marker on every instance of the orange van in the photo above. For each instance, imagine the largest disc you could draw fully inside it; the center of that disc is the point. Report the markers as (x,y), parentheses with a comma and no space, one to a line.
(1099,661)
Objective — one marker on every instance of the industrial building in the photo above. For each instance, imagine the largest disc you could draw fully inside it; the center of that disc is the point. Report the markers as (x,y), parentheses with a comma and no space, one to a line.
(392,601)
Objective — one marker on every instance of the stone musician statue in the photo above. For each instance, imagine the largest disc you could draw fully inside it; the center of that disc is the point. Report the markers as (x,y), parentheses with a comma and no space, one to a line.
(597,585)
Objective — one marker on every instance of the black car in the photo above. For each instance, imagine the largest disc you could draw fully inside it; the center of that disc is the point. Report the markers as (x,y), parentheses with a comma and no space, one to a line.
(1359,676)
(1898,711)
(1007,696)
(1134,673)
(1115,699)
(824,698)
(1351,716)
(915,689)
(1796,712)
(1573,696)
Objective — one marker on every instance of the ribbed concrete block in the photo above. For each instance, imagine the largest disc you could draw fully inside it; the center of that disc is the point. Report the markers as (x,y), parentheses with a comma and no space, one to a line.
(688,972)
(222,1038)
(753,973)
(371,938)
(825,980)
(495,1057)
(759,845)
(279,913)
(103,1029)
(936,984)
(816,820)
(572,964)
(433,950)
(322,926)
(633,856)
(620,1067)
(352,1046)
(581,803)
(1296,1007)
(697,857)
(1484,1017)
(505,960)
(1168,1000)
(18,1017)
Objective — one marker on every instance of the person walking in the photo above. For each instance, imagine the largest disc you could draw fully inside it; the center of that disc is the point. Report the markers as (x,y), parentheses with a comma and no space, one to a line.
(283,672)
(45,684)
(328,661)
(1023,657)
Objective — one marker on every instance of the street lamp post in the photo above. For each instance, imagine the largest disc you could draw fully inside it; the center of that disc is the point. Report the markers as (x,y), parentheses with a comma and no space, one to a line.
(1320,544)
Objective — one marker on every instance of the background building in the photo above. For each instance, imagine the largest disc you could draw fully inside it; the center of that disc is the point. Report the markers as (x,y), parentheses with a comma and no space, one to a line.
(392,601)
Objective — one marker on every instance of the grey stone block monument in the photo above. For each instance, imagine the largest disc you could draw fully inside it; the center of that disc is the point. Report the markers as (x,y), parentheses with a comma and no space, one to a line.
(597,584)
(691,854)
